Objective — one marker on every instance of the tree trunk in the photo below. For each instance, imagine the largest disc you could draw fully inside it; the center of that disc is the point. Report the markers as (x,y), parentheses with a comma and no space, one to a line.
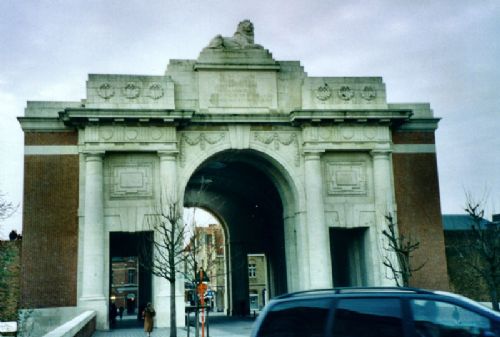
(494,298)
(173,315)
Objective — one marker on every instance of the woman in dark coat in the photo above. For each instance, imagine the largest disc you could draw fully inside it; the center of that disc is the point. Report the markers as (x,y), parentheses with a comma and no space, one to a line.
(148,314)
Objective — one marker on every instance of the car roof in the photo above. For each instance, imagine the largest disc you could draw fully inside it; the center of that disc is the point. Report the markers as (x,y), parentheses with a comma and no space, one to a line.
(357,290)
(364,292)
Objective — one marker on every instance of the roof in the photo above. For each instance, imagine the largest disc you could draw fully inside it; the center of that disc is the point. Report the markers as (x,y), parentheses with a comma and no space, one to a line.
(458,222)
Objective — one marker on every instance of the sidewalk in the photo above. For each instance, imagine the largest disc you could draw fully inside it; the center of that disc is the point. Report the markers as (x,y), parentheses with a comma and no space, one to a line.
(220,326)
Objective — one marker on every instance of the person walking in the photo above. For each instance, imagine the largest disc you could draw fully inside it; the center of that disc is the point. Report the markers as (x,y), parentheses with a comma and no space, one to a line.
(148,313)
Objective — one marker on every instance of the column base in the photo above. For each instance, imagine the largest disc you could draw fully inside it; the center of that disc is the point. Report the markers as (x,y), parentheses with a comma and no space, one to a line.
(100,306)
(162,308)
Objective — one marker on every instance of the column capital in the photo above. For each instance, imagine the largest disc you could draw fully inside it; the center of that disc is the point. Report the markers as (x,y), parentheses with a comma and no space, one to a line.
(93,155)
(166,154)
(313,154)
(380,153)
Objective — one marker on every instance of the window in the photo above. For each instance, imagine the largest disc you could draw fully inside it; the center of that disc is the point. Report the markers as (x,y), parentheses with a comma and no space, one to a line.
(435,318)
(252,269)
(371,317)
(304,318)
(254,301)
(131,276)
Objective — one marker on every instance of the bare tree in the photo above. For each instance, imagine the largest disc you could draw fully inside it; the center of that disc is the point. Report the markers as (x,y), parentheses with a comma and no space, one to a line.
(402,247)
(175,246)
(166,257)
(480,249)
(7,208)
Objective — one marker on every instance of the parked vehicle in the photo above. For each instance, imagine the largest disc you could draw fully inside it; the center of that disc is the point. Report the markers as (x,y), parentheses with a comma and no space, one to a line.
(375,312)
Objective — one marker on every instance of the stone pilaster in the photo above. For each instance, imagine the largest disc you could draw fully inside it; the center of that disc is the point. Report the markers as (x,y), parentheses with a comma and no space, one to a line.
(292,269)
(161,287)
(93,283)
(320,267)
(384,205)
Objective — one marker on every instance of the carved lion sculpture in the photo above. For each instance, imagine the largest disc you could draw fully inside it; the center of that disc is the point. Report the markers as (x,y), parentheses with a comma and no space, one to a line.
(242,39)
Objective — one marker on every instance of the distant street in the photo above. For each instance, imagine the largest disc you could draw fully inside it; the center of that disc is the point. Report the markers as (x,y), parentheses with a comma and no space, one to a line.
(219,326)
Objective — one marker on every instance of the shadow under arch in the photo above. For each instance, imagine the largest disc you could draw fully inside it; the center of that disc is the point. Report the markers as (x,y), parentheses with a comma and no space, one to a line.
(248,193)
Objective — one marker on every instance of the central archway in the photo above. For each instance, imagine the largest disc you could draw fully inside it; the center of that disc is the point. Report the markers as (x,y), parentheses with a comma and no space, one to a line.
(244,190)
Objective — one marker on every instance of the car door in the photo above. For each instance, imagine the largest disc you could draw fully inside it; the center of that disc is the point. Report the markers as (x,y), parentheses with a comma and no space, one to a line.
(295,318)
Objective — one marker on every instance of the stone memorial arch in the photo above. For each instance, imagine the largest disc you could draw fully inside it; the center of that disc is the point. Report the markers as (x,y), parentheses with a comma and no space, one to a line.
(300,168)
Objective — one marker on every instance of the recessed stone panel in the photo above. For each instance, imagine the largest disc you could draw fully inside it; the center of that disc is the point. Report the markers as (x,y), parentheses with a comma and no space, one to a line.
(346,178)
(131,181)
(238,91)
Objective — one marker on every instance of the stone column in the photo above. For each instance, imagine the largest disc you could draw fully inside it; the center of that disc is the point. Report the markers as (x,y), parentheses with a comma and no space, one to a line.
(161,287)
(292,270)
(320,267)
(302,251)
(93,284)
(384,205)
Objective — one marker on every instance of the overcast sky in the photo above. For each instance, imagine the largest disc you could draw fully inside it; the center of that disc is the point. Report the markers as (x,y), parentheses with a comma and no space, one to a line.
(443,52)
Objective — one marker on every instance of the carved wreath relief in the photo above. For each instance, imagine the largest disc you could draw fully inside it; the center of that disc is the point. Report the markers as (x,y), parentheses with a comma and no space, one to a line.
(201,139)
(345,93)
(106,91)
(276,139)
(346,178)
(204,139)
(155,91)
(368,93)
(323,92)
(131,90)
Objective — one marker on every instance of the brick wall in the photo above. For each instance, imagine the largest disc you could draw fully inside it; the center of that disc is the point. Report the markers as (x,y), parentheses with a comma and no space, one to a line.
(50,224)
(419,210)
(50,138)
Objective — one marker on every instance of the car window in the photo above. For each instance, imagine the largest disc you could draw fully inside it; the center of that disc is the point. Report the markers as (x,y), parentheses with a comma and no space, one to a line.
(301,318)
(372,317)
(442,319)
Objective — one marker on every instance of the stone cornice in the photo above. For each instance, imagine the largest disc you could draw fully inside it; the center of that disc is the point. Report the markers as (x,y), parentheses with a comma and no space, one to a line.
(241,118)
(340,116)
(420,124)
(77,117)
(216,66)
(80,117)
(43,124)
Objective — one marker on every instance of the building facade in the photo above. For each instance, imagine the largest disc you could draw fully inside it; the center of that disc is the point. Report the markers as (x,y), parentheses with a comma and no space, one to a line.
(206,248)
(257,281)
(300,168)
(124,284)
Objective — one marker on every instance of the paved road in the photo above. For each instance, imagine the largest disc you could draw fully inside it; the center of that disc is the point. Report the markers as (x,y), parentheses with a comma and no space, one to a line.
(220,326)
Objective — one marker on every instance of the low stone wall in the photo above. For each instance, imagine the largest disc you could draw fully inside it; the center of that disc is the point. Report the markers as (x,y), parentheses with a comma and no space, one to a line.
(81,326)
(8,328)
(41,322)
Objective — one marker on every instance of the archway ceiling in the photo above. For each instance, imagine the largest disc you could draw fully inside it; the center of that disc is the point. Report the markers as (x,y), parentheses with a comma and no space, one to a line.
(237,180)
(240,176)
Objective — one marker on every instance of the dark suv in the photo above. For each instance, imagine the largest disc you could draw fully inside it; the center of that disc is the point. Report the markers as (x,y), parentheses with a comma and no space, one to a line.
(375,312)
